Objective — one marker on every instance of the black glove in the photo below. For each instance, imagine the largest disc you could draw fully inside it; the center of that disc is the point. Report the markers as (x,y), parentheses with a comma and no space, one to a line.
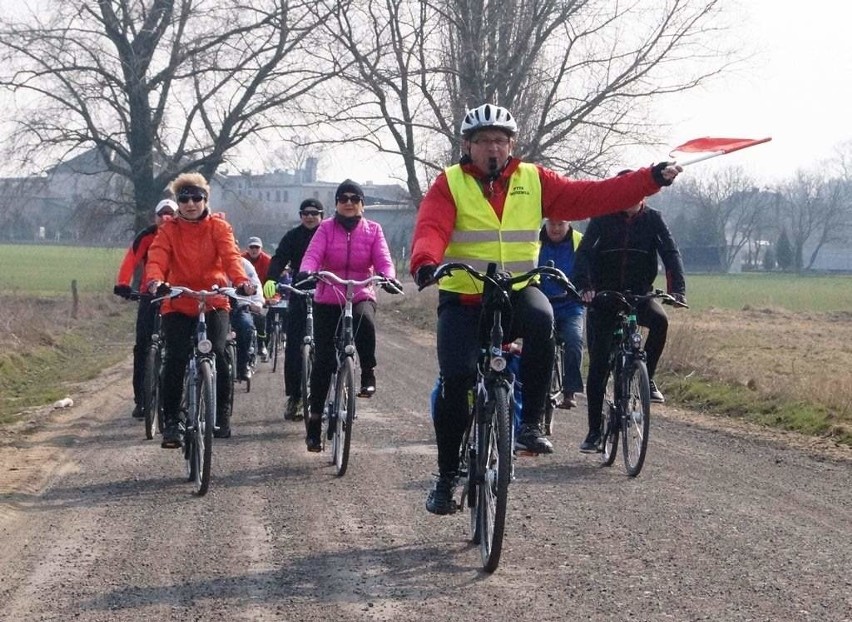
(299,278)
(425,275)
(657,173)
(392,287)
(124,291)
(163,289)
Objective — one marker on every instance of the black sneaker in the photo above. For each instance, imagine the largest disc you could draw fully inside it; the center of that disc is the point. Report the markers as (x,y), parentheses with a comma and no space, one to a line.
(312,439)
(222,432)
(291,410)
(656,396)
(441,499)
(592,444)
(532,440)
(368,383)
(173,435)
(138,412)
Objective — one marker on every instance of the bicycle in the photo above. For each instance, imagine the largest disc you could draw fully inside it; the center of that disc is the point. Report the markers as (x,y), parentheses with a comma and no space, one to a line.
(307,349)
(627,397)
(486,461)
(275,341)
(198,401)
(339,411)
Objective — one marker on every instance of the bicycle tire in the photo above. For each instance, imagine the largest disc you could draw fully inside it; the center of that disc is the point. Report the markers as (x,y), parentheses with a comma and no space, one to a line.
(231,357)
(307,368)
(495,458)
(151,391)
(636,420)
(610,425)
(275,343)
(187,407)
(344,415)
(205,420)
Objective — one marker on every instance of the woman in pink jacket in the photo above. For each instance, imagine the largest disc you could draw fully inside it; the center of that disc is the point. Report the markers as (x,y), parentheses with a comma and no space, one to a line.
(351,247)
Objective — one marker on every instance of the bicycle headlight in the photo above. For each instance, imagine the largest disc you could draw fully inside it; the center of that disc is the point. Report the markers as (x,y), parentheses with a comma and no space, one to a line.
(205,346)
(636,340)
(350,349)
(498,363)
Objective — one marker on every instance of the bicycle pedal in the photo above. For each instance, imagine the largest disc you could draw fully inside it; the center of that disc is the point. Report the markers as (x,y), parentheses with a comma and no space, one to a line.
(526,453)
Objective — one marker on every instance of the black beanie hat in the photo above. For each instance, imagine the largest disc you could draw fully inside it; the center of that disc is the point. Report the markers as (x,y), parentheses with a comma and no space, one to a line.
(311,203)
(349,186)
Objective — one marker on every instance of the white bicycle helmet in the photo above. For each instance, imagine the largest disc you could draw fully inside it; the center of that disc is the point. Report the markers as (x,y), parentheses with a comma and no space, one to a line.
(488,115)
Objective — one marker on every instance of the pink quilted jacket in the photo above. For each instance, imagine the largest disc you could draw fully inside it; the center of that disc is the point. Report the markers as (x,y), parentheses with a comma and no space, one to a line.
(350,255)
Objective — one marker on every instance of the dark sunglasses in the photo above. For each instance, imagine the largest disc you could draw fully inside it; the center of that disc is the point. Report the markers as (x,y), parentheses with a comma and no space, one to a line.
(343,199)
(309,213)
(195,198)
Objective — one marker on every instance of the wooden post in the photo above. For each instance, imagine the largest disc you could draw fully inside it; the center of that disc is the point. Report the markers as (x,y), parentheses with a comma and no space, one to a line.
(75,298)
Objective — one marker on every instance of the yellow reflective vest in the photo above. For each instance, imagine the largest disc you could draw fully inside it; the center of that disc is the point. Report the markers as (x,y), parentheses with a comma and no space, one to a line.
(480,237)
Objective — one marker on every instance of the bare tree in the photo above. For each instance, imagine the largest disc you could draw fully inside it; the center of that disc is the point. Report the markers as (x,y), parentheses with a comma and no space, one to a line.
(576,73)
(157,87)
(818,210)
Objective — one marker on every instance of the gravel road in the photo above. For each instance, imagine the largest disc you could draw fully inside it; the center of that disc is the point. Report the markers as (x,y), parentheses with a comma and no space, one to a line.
(722,524)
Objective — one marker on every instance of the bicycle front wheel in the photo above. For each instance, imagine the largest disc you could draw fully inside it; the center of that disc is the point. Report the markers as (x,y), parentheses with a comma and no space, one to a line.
(307,367)
(495,462)
(151,391)
(637,417)
(343,415)
(610,425)
(205,419)
(274,344)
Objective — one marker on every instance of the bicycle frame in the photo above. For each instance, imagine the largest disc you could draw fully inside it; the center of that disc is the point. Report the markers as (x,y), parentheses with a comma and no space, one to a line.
(307,348)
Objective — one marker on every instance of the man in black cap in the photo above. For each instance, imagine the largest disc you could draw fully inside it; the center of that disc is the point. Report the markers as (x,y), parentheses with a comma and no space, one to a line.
(290,251)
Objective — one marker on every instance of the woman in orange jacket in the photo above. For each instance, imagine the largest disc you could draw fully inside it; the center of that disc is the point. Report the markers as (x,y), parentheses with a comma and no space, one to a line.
(196,250)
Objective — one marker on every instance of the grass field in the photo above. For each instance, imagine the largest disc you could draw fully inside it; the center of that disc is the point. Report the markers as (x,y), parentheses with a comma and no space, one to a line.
(49,270)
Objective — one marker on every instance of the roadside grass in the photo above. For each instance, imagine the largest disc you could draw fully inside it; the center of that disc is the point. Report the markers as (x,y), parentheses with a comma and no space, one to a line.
(768,349)
(46,351)
(48,270)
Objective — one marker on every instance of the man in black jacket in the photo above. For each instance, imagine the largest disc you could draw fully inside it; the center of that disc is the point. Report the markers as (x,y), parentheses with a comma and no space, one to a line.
(291,249)
(619,252)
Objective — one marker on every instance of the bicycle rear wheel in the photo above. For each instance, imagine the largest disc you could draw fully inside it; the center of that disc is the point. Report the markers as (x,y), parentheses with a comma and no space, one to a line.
(231,356)
(307,368)
(205,419)
(151,391)
(637,418)
(344,415)
(610,425)
(495,462)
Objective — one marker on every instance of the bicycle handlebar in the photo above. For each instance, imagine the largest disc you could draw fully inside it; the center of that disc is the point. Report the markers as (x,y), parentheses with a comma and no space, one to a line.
(631,300)
(390,285)
(504,280)
(287,287)
(175,291)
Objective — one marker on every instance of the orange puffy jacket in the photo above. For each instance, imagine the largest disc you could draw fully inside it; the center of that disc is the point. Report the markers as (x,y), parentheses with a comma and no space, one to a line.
(196,254)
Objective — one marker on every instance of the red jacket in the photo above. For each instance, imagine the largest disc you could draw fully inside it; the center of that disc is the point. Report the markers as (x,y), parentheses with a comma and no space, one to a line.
(196,254)
(136,256)
(561,199)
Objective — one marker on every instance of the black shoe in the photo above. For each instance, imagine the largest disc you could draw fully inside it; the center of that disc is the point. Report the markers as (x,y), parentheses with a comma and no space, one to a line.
(312,439)
(173,435)
(222,432)
(441,499)
(368,383)
(656,396)
(592,444)
(291,411)
(532,440)
(138,412)
(244,375)
(568,402)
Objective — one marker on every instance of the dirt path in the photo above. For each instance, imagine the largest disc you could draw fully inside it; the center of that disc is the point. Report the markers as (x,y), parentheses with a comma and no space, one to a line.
(722,524)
